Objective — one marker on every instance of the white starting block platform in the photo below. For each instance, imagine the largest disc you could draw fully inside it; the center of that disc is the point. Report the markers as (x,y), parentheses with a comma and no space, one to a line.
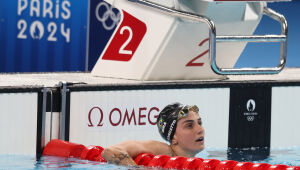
(190,40)
(103,111)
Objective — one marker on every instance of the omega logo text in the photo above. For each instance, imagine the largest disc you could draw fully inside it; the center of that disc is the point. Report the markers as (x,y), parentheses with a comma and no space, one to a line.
(121,117)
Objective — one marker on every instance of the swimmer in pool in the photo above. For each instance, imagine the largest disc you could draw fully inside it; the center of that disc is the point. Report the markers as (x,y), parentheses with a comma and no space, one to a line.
(180,125)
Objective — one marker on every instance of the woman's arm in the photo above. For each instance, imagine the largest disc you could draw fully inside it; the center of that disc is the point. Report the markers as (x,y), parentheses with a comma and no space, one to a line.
(117,155)
(124,153)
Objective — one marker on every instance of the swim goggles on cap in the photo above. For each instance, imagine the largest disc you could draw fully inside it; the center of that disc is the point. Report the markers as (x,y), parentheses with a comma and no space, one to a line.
(185,110)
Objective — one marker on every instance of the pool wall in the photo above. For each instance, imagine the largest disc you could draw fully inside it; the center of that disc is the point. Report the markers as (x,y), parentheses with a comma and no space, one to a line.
(236,114)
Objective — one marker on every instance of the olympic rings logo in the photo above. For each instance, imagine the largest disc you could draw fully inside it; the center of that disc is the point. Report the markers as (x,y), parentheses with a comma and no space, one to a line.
(109,13)
(250,118)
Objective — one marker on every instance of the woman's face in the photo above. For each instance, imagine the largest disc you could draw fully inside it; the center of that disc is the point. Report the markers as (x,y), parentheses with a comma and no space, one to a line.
(190,133)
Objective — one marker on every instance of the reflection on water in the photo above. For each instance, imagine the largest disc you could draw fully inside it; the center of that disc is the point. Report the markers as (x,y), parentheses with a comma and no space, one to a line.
(72,163)
(287,156)
(248,154)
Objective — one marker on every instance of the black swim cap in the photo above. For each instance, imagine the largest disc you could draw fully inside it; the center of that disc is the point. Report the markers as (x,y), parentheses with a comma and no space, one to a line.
(168,117)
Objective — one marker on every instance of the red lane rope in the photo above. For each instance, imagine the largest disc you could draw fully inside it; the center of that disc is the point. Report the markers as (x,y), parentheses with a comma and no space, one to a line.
(62,148)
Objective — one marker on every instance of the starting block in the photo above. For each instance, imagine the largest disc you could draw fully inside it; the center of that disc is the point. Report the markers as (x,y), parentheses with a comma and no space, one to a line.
(185,40)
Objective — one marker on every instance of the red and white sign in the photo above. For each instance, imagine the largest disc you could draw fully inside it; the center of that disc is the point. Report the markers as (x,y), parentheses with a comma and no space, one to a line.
(126,39)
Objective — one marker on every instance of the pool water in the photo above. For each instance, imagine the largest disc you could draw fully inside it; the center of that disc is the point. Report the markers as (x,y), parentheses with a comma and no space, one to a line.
(50,162)
(287,156)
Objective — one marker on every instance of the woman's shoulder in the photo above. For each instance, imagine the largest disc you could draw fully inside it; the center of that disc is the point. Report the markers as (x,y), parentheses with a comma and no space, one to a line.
(134,147)
(157,147)
(155,142)
(145,143)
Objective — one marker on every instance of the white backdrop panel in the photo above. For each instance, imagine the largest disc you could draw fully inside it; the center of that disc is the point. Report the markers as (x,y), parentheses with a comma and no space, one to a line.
(143,106)
(285,117)
(18,123)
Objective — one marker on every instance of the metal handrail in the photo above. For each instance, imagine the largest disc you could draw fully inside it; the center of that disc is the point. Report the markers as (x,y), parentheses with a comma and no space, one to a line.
(236,38)
(258,38)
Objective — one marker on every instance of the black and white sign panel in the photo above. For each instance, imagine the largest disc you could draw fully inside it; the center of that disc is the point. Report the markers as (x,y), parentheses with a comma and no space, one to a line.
(250,117)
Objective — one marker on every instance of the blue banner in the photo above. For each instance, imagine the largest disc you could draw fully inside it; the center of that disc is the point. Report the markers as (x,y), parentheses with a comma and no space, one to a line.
(43,35)
(103,21)
(54,35)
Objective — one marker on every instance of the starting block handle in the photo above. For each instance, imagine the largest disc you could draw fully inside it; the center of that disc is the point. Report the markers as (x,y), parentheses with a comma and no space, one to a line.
(258,38)
(234,38)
